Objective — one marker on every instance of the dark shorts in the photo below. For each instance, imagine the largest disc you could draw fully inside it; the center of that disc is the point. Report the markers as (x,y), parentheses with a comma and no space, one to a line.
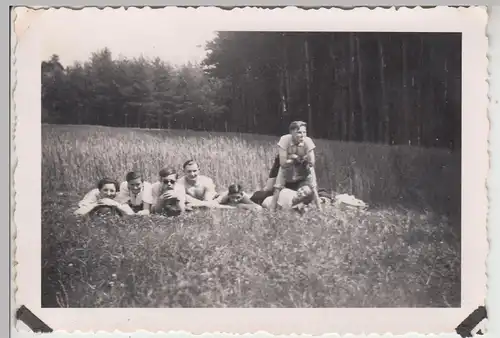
(259,196)
(273,173)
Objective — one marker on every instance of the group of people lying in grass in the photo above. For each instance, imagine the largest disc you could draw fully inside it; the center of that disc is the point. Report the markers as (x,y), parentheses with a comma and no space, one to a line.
(291,184)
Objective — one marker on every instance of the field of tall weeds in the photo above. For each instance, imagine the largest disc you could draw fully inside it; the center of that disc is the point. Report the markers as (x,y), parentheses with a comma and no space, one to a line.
(403,251)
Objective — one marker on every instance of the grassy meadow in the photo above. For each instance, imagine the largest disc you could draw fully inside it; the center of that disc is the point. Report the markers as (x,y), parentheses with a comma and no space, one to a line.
(404,251)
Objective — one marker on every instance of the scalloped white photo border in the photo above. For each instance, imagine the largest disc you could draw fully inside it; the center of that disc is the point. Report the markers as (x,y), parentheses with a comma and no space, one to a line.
(29,40)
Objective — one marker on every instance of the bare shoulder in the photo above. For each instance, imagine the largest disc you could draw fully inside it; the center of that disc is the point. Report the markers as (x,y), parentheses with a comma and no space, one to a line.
(286,138)
(309,141)
(285,141)
(206,179)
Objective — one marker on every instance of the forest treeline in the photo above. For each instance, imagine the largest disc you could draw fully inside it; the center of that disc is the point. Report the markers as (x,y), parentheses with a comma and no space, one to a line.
(391,88)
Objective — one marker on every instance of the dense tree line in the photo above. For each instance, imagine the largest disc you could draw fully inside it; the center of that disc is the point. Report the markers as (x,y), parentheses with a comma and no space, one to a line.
(392,88)
(128,93)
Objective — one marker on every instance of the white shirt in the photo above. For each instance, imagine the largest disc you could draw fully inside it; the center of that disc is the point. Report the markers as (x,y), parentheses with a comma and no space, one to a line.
(91,198)
(285,199)
(144,196)
(89,202)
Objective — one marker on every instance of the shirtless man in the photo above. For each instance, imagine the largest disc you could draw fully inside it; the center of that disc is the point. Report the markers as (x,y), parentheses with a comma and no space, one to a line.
(200,189)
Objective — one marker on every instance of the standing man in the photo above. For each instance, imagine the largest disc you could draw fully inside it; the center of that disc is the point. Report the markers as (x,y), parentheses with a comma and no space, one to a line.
(200,189)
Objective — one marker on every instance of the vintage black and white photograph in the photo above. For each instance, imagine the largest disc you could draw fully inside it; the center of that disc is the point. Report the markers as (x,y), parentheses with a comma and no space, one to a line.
(187,166)
(335,157)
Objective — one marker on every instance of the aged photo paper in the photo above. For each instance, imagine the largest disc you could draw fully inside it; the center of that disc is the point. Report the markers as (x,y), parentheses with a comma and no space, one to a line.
(282,170)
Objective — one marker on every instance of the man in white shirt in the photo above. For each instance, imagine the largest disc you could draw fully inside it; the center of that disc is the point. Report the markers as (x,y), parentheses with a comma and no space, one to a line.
(137,193)
(200,190)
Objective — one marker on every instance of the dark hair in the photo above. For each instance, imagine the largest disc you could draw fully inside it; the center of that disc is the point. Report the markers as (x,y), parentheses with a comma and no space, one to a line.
(164,172)
(132,175)
(297,125)
(235,189)
(189,162)
(106,180)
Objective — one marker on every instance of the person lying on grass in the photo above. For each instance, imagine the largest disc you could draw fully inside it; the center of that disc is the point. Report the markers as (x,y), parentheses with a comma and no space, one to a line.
(200,190)
(169,198)
(303,197)
(236,197)
(289,199)
(297,159)
(102,200)
(137,193)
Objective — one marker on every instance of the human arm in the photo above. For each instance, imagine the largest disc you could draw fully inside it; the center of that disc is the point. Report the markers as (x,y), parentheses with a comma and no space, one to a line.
(90,198)
(125,208)
(210,191)
(146,210)
(310,156)
(222,199)
(283,144)
(88,203)
(108,201)
(147,199)
(246,200)
(316,199)
(249,206)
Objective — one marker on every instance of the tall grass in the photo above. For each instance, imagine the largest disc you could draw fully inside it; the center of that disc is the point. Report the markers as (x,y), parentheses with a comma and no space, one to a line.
(383,257)
(74,158)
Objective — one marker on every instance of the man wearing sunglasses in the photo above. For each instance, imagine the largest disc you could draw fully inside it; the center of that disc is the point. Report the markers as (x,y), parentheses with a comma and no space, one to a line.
(168,197)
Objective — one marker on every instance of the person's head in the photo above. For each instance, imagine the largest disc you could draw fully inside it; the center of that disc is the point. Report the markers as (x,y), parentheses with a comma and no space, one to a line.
(108,187)
(235,193)
(168,177)
(134,182)
(298,130)
(303,193)
(191,170)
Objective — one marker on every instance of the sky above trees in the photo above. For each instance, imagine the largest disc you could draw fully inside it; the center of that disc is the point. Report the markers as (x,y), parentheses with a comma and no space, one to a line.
(75,35)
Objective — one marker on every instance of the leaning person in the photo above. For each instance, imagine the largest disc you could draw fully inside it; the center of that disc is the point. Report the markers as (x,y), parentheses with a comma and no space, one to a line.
(297,160)
(260,195)
(236,197)
(102,200)
(137,193)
